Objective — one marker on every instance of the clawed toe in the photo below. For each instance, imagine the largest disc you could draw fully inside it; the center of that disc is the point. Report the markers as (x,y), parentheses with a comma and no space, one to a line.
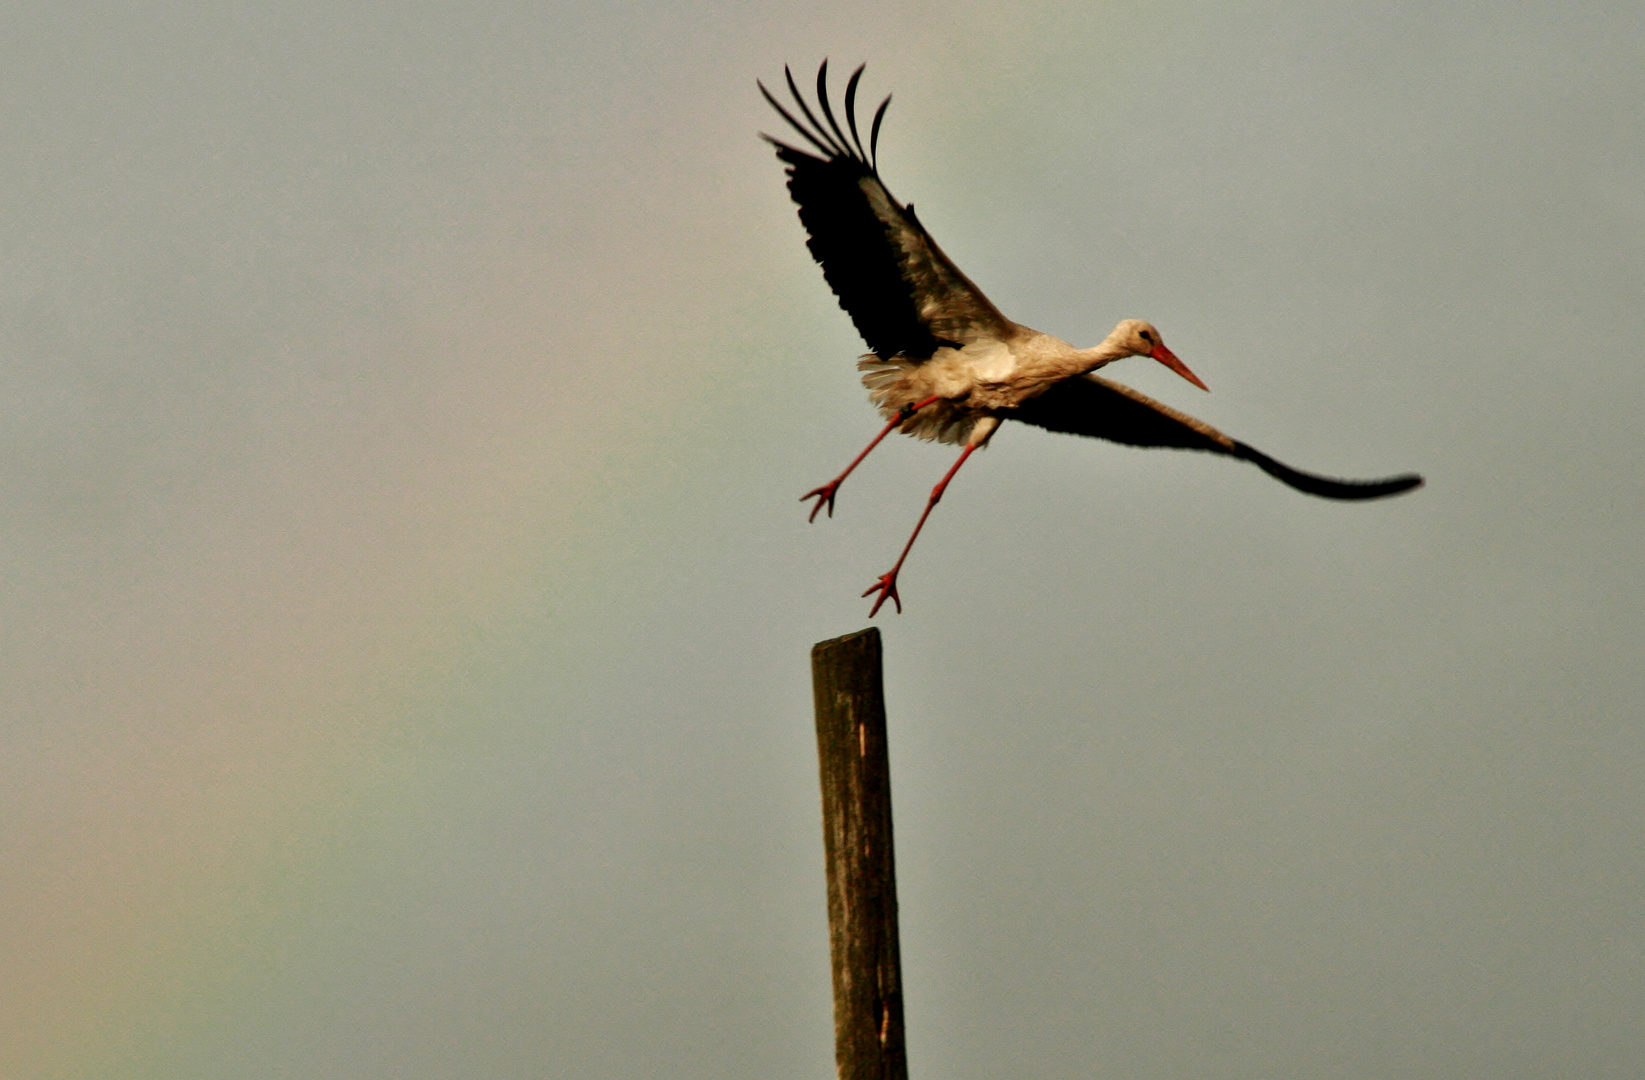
(824,496)
(887,588)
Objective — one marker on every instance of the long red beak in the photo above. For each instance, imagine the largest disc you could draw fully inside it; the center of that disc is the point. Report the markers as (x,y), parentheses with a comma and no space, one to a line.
(1169,359)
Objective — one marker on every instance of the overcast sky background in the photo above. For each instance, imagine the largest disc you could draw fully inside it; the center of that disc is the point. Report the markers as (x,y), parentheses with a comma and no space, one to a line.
(406,598)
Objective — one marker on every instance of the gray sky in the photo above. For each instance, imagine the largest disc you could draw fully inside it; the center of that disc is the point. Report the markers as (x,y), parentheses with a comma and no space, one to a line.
(406,598)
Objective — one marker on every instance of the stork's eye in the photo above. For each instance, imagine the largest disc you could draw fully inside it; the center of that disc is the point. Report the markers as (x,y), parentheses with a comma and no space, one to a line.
(1146,336)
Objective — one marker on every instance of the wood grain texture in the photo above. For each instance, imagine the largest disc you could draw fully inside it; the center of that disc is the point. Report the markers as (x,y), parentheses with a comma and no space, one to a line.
(846,675)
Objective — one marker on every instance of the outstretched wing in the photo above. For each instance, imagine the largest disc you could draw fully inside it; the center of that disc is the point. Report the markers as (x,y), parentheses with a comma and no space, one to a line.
(1108,410)
(904,295)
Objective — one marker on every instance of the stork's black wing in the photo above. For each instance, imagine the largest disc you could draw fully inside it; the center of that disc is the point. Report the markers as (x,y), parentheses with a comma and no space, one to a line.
(1108,410)
(904,295)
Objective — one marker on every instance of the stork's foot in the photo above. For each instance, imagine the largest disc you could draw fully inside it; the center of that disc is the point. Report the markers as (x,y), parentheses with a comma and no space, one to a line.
(887,588)
(824,496)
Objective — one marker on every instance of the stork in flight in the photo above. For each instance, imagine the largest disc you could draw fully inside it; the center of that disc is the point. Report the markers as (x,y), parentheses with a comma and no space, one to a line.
(945,364)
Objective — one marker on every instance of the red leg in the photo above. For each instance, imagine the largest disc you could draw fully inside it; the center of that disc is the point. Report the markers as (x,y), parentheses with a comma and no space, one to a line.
(825,494)
(887,585)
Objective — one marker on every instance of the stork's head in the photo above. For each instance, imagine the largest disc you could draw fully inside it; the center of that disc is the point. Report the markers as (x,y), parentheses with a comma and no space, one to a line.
(1141,339)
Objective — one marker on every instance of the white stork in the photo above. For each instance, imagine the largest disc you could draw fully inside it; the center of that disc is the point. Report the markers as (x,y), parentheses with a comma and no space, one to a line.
(945,364)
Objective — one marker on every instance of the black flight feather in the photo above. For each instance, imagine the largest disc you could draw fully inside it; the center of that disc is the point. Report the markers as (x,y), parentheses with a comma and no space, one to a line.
(1101,409)
(904,295)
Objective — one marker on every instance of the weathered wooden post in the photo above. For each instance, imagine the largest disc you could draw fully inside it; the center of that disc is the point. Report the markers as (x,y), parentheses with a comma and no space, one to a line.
(847,683)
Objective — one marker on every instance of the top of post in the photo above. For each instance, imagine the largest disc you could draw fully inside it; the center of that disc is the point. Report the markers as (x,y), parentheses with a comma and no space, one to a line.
(868,639)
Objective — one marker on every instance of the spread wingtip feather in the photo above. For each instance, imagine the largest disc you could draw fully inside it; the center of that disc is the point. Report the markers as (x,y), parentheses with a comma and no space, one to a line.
(1325,486)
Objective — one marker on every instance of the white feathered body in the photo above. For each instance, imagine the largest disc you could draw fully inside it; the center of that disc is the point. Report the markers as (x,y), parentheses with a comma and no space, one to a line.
(981,382)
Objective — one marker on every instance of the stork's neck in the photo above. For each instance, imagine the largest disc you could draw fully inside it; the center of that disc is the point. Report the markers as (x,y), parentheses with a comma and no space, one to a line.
(1111,349)
(1039,360)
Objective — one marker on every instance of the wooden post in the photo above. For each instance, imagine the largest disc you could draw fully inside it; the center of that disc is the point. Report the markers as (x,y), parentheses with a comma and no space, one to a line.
(847,684)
